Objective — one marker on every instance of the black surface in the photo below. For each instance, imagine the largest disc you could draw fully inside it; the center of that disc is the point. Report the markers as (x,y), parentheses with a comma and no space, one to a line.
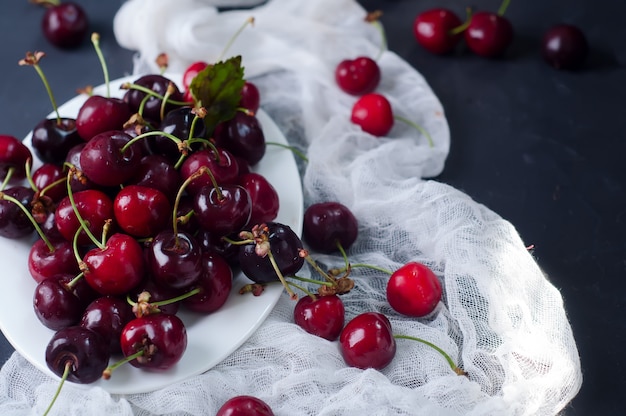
(540,147)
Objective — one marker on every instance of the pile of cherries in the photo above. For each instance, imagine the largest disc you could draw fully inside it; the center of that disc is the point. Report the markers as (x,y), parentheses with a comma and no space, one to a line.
(489,34)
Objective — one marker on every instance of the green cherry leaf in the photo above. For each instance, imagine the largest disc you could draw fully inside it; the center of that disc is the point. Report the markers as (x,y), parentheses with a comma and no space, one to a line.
(218,89)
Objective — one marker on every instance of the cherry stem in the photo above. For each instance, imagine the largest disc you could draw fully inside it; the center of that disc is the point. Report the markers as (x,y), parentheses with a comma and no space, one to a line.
(461,28)
(280,275)
(374,19)
(7,178)
(149,92)
(66,373)
(168,93)
(293,149)
(302,288)
(503,7)
(48,187)
(416,126)
(30,217)
(95,40)
(106,374)
(305,254)
(318,282)
(79,217)
(451,363)
(34,62)
(249,21)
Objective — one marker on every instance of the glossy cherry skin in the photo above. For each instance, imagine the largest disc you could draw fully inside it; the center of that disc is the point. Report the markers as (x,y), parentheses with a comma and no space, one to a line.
(55,305)
(44,263)
(13,156)
(152,109)
(107,162)
(285,246)
(156,171)
(357,76)
(224,212)
(178,123)
(83,348)
(324,316)
(161,336)
(117,268)
(174,260)
(367,341)
(141,211)
(250,97)
(99,114)
(488,34)
(52,139)
(433,30)
(94,206)
(327,224)
(191,72)
(373,113)
(264,197)
(46,175)
(65,25)
(14,223)
(413,290)
(245,406)
(243,136)
(222,165)
(564,47)
(215,283)
(107,316)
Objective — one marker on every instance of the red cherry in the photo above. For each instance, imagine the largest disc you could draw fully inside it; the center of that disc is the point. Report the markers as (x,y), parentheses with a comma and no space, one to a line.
(191,72)
(44,263)
(413,290)
(373,113)
(65,25)
(141,211)
(329,224)
(215,284)
(99,114)
(264,197)
(564,46)
(488,34)
(358,76)
(250,97)
(94,206)
(13,156)
(433,30)
(323,316)
(245,406)
(367,341)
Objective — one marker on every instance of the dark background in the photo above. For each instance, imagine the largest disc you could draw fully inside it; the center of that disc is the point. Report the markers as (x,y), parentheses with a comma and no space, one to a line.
(542,148)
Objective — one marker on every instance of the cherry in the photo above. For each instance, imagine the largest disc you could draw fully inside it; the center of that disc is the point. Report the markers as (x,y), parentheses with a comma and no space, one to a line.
(367,341)
(263,195)
(243,136)
(191,72)
(245,406)
(78,354)
(156,171)
(93,205)
(116,267)
(13,157)
(52,139)
(44,263)
(107,316)
(328,225)
(214,243)
(78,182)
(250,97)
(373,113)
(14,222)
(107,160)
(99,114)
(221,163)
(141,211)
(413,290)
(156,341)
(55,304)
(489,34)
(437,30)
(174,259)
(564,46)
(157,84)
(323,316)
(48,178)
(215,283)
(357,76)
(181,123)
(64,24)
(223,209)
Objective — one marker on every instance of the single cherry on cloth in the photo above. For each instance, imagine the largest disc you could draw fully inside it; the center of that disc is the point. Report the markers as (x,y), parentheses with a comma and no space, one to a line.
(373,113)
(323,316)
(564,46)
(329,224)
(414,290)
(367,341)
(436,30)
(488,34)
(245,406)
(64,24)
(13,157)
(358,76)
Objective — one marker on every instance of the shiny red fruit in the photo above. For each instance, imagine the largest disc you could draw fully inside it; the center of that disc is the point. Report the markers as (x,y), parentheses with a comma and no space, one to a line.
(13,156)
(367,341)
(433,30)
(358,76)
(141,211)
(245,406)
(564,47)
(65,25)
(414,290)
(488,34)
(373,113)
(324,316)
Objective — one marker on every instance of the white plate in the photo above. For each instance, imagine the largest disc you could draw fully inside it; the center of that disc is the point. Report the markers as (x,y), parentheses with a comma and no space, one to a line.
(211,338)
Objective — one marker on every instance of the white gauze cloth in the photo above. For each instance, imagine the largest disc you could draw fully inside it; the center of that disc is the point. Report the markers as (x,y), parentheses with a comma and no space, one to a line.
(501,319)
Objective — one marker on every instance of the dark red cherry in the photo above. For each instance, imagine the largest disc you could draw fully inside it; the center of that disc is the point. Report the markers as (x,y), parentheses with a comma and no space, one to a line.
(245,406)
(80,182)
(488,34)
(250,97)
(99,114)
(243,136)
(161,337)
(327,225)
(13,157)
(373,113)
(323,316)
(174,260)
(83,349)
(107,161)
(564,46)
(141,211)
(158,293)
(434,30)
(178,122)
(44,263)
(52,139)
(357,76)
(156,171)
(215,283)
(55,304)
(65,25)
(221,163)
(107,316)
(223,210)
(152,107)
(14,223)
(94,206)
(264,197)
(45,176)
(367,341)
